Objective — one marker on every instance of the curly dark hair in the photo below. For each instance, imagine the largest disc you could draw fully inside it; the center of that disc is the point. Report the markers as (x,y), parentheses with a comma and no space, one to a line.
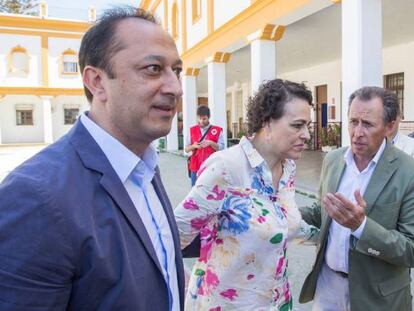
(270,100)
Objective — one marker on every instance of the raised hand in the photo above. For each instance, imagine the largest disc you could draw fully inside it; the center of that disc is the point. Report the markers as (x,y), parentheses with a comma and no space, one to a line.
(343,211)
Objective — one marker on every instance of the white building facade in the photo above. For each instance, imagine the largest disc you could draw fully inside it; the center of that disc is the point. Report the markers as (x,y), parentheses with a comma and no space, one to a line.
(41,91)
(230,47)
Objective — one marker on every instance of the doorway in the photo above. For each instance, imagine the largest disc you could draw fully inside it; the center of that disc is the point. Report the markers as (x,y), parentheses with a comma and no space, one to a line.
(321,92)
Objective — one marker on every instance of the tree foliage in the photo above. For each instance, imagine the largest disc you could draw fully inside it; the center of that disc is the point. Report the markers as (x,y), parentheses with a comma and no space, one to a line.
(28,7)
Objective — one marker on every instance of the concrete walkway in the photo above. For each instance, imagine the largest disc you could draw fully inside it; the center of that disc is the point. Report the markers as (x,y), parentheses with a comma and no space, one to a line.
(174,175)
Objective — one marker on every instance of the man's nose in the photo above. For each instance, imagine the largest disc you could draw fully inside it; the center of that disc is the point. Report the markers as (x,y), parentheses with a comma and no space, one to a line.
(172,84)
(359,131)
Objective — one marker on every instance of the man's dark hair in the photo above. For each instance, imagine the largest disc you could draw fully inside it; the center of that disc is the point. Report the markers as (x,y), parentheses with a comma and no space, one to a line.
(203,110)
(270,100)
(100,44)
(389,100)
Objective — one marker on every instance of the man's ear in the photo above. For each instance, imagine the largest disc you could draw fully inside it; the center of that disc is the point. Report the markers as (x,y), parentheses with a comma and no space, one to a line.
(93,81)
(389,128)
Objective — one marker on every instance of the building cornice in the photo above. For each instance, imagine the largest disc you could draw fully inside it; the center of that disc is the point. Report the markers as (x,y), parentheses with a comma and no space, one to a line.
(34,32)
(260,13)
(41,91)
(44,24)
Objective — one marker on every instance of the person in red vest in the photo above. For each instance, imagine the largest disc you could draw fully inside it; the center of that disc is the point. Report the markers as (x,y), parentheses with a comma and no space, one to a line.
(204,140)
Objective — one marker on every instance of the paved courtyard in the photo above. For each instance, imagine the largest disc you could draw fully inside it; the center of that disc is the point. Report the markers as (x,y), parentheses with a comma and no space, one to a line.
(174,175)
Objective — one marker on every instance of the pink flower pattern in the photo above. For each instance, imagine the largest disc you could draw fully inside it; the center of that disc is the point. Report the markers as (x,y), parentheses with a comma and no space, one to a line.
(243,232)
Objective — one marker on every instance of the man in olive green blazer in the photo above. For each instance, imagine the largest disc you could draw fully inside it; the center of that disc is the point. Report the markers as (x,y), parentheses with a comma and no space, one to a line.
(378,261)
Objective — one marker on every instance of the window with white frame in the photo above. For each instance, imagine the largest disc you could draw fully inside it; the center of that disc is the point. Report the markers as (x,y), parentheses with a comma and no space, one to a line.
(24,117)
(70,115)
(69,62)
(18,60)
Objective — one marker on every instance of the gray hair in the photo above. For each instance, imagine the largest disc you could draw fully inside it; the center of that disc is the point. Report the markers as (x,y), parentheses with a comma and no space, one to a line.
(389,100)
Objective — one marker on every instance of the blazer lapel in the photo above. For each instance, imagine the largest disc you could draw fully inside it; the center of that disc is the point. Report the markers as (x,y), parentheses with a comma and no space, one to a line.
(386,167)
(332,184)
(162,195)
(94,159)
(111,183)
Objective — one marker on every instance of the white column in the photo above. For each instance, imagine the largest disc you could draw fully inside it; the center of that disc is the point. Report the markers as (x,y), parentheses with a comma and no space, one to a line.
(361,51)
(172,137)
(263,54)
(47,119)
(245,100)
(190,100)
(216,69)
(263,62)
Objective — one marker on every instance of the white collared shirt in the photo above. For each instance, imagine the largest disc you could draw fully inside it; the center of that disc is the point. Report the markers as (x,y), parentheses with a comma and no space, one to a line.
(336,255)
(124,162)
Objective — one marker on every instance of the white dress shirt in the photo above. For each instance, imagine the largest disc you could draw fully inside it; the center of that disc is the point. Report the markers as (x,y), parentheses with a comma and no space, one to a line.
(128,165)
(336,255)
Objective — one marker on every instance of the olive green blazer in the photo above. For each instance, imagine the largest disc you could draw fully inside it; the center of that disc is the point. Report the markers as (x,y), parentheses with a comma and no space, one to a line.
(380,261)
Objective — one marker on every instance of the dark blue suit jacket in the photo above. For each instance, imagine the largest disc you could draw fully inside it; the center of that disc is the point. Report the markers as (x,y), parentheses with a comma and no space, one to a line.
(71,238)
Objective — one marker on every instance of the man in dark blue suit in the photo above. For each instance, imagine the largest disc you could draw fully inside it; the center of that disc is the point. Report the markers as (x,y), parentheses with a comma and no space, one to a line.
(86,224)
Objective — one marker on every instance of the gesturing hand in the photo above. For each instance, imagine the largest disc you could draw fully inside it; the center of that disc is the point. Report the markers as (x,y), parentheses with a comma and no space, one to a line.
(343,211)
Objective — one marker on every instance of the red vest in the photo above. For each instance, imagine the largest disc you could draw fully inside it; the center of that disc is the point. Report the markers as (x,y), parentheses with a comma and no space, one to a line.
(200,155)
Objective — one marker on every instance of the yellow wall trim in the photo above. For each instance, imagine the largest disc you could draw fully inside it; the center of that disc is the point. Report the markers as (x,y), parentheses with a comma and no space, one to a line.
(155,6)
(191,72)
(255,17)
(210,16)
(40,91)
(145,4)
(183,25)
(174,20)
(45,24)
(40,33)
(196,10)
(218,57)
(337,1)
(165,4)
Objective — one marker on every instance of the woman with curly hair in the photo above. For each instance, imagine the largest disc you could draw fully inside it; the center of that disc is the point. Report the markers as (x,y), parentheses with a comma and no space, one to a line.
(243,208)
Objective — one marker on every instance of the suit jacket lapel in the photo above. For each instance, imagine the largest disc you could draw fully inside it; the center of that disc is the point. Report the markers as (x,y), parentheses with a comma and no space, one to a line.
(94,159)
(386,167)
(162,195)
(332,184)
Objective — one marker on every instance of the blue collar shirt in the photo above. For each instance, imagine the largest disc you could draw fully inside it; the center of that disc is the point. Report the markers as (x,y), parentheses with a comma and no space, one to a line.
(136,175)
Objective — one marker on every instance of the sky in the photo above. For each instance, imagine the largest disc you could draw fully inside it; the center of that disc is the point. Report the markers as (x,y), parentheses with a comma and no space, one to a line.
(78,9)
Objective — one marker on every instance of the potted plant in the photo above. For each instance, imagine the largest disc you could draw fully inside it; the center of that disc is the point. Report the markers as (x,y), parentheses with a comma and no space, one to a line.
(330,137)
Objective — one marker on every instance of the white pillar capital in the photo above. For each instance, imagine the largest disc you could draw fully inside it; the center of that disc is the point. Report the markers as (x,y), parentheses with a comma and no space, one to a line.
(189,71)
(269,32)
(218,57)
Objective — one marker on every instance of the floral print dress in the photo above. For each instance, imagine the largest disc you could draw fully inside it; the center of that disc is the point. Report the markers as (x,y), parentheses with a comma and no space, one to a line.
(244,227)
